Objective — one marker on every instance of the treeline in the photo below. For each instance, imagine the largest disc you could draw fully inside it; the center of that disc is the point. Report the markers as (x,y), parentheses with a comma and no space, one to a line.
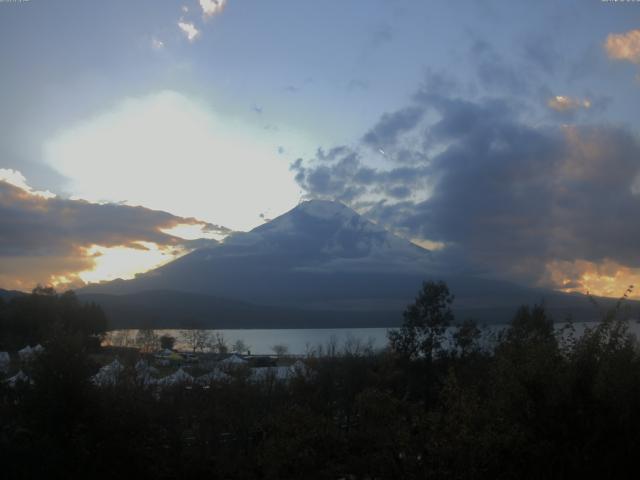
(44,315)
(531,402)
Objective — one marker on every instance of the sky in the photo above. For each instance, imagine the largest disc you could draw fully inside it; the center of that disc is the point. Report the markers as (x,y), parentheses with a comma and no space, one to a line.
(501,135)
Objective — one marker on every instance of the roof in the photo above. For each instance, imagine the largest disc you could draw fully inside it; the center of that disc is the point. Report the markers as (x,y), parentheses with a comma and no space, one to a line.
(233,359)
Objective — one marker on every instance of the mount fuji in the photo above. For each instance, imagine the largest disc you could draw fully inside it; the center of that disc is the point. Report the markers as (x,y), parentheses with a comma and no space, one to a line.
(320,264)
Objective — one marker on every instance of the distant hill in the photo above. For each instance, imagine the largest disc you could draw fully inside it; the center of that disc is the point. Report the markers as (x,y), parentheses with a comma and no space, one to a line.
(9,294)
(320,264)
(174,309)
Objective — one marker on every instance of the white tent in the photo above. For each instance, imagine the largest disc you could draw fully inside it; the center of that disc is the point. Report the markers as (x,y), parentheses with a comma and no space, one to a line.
(143,366)
(300,368)
(144,372)
(260,374)
(176,378)
(213,376)
(18,378)
(108,375)
(26,354)
(233,359)
(5,361)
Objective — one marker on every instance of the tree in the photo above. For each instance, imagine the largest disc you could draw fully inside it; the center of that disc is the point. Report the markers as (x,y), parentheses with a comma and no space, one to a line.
(466,337)
(239,346)
(196,339)
(218,344)
(425,323)
(122,338)
(35,318)
(167,342)
(147,340)
(280,349)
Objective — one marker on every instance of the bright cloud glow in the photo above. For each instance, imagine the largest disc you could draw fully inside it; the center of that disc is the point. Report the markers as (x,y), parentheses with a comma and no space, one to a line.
(125,262)
(561,103)
(607,279)
(428,244)
(15,178)
(624,46)
(192,232)
(167,152)
(189,29)
(212,7)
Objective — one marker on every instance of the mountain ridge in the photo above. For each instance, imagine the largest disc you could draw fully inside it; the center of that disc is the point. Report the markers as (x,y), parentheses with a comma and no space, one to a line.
(323,263)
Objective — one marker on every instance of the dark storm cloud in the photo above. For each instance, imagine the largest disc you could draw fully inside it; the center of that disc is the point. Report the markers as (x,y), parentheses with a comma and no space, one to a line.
(35,225)
(504,195)
(347,179)
(392,125)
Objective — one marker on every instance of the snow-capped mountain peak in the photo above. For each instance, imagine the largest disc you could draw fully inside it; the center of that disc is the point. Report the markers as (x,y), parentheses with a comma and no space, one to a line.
(326,232)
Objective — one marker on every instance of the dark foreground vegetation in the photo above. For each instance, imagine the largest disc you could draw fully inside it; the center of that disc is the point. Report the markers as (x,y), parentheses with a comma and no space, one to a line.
(529,403)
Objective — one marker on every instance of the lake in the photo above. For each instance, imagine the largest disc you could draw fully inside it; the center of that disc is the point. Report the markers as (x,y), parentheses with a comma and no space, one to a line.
(306,340)
(261,342)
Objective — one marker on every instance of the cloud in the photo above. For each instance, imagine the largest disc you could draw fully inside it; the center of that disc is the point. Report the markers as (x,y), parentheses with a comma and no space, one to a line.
(49,239)
(174,153)
(156,43)
(212,7)
(15,178)
(607,278)
(624,46)
(392,125)
(504,197)
(560,103)
(341,175)
(189,29)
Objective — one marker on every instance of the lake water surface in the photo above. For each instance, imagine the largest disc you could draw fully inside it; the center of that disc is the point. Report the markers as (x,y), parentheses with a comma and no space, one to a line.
(261,342)
(305,340)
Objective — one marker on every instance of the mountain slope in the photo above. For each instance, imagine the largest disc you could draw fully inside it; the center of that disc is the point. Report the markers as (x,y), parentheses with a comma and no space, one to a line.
(317,252)
(319,262)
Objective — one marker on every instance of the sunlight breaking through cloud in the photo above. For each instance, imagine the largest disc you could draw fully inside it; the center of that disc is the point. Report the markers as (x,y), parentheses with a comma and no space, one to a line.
(169,152)
(607,279)
(110,263)
(15,178)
